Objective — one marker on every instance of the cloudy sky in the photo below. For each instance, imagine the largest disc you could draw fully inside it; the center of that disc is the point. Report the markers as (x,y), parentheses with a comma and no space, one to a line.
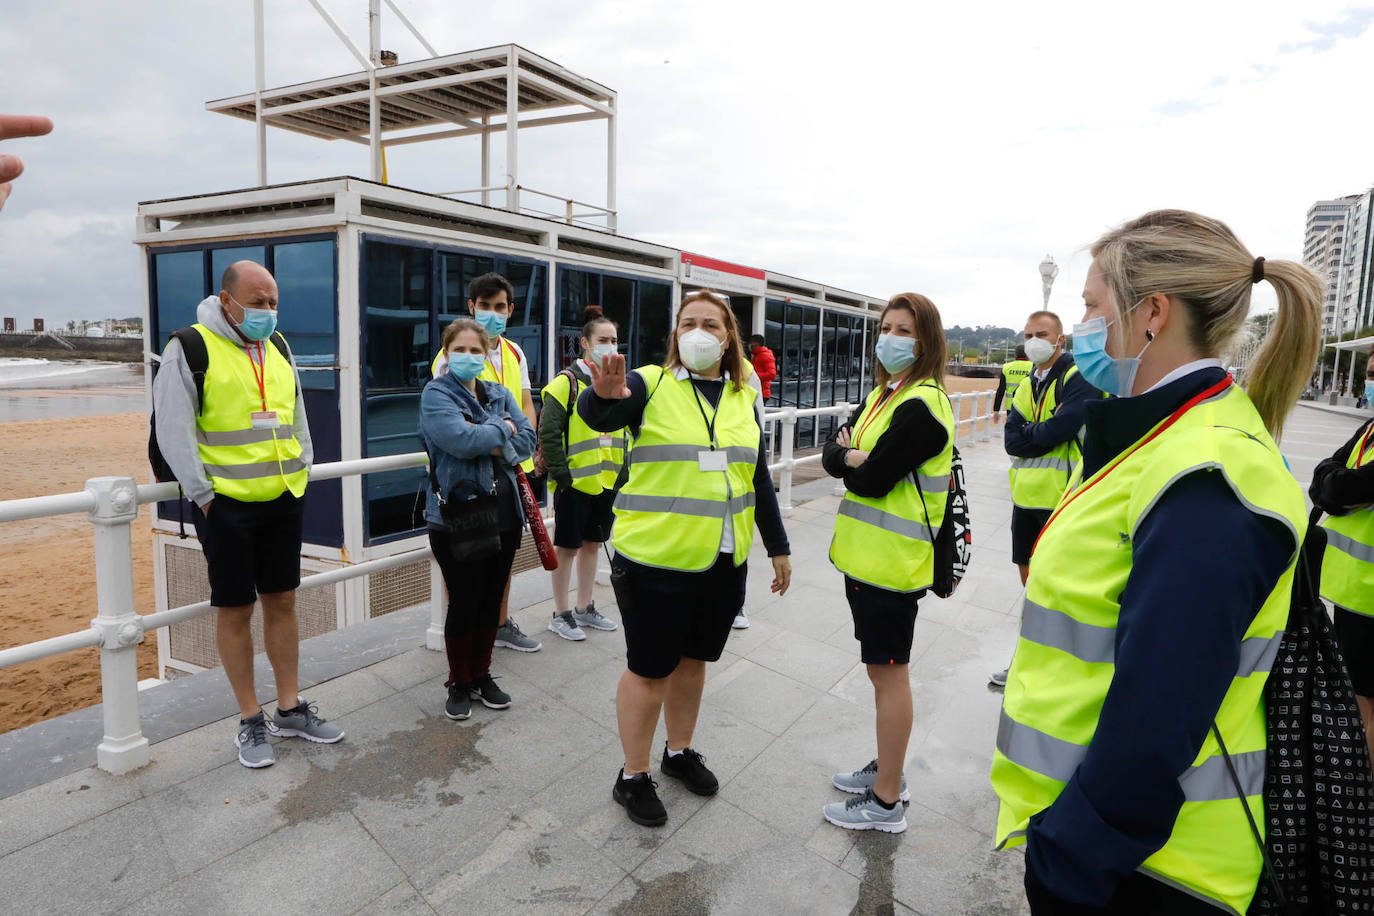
(880,147)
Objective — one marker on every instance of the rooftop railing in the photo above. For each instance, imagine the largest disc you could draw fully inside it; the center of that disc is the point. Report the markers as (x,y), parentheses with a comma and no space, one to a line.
(111,505)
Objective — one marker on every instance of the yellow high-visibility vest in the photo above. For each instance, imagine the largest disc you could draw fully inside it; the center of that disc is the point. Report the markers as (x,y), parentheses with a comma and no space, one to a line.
(1348,564)
(594,467)
(1038,483)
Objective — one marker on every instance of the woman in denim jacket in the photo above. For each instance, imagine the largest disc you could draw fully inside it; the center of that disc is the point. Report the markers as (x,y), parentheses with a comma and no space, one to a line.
(474,431)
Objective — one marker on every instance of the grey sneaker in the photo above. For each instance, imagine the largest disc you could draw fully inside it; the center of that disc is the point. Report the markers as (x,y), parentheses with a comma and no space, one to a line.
(998,678)
(251,741)
(304,722)
(864,813)
(510,637)
(564,625)
(590,617)
(861,781)
(741,621)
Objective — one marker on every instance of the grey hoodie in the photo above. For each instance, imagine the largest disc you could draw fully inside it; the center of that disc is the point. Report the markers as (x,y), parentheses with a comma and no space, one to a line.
(174,403)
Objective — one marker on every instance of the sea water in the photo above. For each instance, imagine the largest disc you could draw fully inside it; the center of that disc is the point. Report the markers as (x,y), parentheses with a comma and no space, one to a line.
(36,389)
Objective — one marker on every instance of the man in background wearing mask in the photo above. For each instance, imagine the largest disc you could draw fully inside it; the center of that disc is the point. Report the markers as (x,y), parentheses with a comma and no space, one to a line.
(490,298)
(239,445)
(1042,436)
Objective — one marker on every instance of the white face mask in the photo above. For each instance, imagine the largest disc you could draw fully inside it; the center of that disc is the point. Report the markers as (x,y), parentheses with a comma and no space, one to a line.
(698,349)
(1038,350)
(601,351)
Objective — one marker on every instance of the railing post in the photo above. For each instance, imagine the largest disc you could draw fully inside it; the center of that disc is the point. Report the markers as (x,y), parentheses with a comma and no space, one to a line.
(788,433)
(123,748)
(987,423)
(438,608)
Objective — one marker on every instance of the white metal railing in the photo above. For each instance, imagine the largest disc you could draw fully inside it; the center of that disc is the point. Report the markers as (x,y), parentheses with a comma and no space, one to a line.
(570,213)
(111,504)
(781,442)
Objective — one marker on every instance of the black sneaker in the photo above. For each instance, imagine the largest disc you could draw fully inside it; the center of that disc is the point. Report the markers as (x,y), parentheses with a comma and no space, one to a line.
(690,767)
(459,705)
(637,796)
(485,689)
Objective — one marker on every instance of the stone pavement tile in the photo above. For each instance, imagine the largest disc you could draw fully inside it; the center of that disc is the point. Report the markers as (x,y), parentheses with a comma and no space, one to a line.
(528,862)
(786,786)
(188,755)
(209,816)
(401,900)
(803,659)
(559,662)
(723,861)
(760,697)
(940,868)
(953,781)
(814,610)
(410,668)
(327,865)
(95,867)
(762,627)
(342,695)
(52,807)
(1001,593)
(593,694)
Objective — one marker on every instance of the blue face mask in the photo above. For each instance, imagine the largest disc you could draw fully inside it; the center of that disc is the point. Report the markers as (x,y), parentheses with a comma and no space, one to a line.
(257,324)
(491,321)
(1114,375)
(895,353)
(466,366)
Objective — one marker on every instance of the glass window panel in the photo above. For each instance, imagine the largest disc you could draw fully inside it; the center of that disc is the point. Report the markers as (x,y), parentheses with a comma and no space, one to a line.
(808,358)
(526,323)
(652,324)
(220,258)
(306,314)
(397,352)
(617,302)
(180,288)
(456,271)
(743,307)
(577,290)
(773,336)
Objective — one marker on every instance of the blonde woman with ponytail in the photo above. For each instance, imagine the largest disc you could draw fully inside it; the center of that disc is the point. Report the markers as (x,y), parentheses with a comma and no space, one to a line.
(1160,587)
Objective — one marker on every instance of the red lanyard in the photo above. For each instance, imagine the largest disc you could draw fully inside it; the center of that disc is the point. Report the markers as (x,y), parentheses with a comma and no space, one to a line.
(1359,451)
(878,408)
(259,376)
(1147,439)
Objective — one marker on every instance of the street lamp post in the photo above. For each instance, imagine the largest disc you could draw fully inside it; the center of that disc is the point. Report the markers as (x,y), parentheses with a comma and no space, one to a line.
(1048,271)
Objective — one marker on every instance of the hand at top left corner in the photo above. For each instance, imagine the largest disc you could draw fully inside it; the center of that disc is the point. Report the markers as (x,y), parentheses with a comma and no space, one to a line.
(11,167)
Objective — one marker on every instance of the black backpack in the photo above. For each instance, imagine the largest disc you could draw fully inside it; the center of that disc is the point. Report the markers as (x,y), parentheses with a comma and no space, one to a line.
(1318,788)
(953,544)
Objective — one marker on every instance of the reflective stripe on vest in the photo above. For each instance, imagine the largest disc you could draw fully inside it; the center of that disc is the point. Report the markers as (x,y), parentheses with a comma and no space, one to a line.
(1064,661)
(252,465)
(1348,564)
(670,513)
(1038,483)
(594,468)
(886,541)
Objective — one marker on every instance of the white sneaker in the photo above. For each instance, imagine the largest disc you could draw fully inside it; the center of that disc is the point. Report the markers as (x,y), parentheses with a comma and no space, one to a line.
(741,621)
(998,678)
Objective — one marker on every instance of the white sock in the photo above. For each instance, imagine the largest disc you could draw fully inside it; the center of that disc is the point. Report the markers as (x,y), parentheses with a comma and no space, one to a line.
(673,753)
(627,776)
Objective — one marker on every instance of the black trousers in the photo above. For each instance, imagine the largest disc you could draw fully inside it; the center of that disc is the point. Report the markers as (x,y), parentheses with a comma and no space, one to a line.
(1138,895)
(475,588)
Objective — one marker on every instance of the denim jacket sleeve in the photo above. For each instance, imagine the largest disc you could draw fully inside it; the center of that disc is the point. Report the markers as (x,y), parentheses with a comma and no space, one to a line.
(446,427)
(519,446)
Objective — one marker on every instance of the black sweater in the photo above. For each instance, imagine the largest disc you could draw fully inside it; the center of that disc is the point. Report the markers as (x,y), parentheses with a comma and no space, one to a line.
(1337,489)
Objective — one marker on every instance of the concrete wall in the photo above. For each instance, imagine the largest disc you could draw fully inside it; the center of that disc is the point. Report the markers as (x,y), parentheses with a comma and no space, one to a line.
(113,349)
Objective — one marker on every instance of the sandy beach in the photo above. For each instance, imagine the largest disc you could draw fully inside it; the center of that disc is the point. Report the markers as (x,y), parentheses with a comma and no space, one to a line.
(47,577)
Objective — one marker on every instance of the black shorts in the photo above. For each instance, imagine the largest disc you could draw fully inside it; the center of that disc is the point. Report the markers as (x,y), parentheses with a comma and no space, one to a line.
(250,547)
(670,615)
(579,517)
(884,622)
(1026,525)
(1355,634)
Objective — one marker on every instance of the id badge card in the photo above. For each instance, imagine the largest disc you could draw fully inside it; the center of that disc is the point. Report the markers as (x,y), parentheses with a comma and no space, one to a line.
(711,460)
(606,442)
(263,419)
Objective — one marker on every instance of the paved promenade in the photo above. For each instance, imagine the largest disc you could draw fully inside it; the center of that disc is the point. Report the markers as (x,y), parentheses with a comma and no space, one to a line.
(510,812)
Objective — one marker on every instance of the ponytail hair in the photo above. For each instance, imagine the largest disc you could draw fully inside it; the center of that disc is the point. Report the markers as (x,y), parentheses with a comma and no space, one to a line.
(1200,264)
(592,316)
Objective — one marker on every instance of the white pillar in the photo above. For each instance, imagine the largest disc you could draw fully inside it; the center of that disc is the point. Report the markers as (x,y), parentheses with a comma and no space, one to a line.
(374,125)
(260,83)
(788,433)
(438,608)
(123,747)
(512,133)
(610,167)
(486,160)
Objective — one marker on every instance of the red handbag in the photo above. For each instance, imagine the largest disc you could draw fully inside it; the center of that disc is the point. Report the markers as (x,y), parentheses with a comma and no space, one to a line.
(542,543)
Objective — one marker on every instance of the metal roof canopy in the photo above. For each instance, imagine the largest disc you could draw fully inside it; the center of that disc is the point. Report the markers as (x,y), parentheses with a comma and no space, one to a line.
(1361,343)
(472,94)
